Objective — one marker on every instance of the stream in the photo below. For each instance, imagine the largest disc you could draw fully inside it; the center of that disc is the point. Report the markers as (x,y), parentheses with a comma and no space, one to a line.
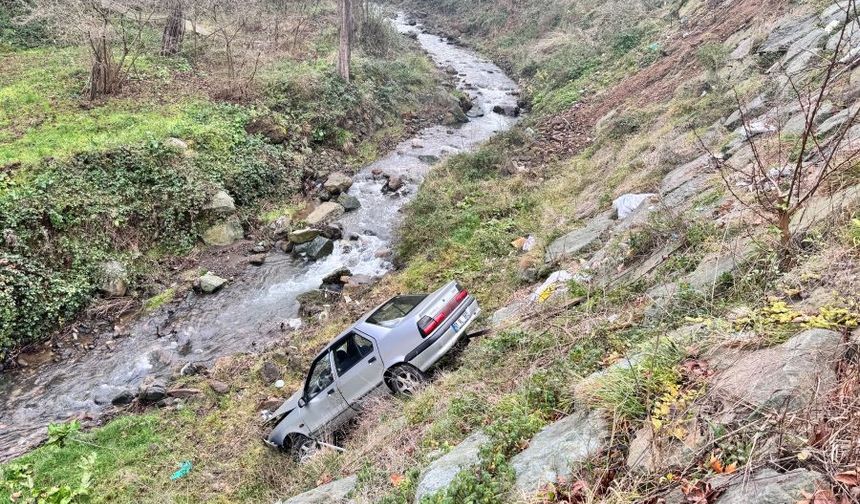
(249,310)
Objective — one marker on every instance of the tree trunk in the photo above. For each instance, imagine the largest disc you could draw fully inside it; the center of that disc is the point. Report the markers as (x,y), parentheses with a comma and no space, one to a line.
(103,72)
(174,30)
(344,52)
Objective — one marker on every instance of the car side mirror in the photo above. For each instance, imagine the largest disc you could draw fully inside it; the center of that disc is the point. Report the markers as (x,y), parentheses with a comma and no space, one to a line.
(302,402)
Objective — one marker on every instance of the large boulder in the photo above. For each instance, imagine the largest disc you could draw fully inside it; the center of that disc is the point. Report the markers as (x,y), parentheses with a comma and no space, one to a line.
(770,487)
(580,240)
(348,202)
(324,213)
(152,390)
(337,182)
(268,129)
(224,233)
(114,279)
(335,492)
(210,283)
(442,471)
(305,235)
(315,249)
(790,375)
(553,450)
(651,451)
(221,203)
(713,267)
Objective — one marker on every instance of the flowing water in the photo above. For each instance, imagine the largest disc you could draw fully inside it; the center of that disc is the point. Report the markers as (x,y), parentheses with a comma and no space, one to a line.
(247,311)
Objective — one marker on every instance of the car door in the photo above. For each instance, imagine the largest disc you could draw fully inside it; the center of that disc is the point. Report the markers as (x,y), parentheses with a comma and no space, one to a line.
(323,401)
(359,367)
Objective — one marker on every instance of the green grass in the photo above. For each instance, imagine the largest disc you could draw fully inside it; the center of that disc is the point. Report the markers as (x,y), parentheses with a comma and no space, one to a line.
(133,455)
(41,112)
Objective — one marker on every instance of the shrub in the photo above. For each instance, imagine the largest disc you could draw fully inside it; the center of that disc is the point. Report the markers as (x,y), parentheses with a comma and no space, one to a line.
(377,36)
(34,299)
(712,56)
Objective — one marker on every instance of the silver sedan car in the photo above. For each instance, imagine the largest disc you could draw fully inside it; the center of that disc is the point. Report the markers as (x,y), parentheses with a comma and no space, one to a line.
(390,347)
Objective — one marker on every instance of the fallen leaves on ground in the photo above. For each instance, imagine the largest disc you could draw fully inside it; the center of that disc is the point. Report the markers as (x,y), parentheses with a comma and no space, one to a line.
(698,492)
(396,479)
(717,465)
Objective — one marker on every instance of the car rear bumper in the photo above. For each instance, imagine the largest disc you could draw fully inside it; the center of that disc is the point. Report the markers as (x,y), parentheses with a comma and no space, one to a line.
(446,337)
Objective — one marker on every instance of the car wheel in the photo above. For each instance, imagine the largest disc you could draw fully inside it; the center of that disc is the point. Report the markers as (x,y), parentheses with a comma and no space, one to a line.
(304,448)
(406,380)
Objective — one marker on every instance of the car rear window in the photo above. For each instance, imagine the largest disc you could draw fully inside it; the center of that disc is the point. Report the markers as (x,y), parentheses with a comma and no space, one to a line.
(389,314)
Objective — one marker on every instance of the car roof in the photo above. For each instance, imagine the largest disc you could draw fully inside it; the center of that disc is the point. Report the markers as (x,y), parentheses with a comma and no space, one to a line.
(376,332)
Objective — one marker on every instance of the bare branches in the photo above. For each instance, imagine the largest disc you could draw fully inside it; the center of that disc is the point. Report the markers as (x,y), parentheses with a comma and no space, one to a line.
(783,180)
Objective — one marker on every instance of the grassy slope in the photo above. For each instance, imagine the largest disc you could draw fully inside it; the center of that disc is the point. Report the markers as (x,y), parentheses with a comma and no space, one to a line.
(515,381)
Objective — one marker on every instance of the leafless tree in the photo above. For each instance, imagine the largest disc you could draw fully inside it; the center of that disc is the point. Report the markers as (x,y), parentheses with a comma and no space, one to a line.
(783,180)
(112,30)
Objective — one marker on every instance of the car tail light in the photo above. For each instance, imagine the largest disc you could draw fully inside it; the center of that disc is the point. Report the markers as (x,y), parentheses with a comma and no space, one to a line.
(428,324)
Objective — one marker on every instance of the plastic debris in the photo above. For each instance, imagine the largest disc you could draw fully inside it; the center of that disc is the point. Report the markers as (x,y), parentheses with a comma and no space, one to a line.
(530,243)
(549,287)
(184,469)
(628,203)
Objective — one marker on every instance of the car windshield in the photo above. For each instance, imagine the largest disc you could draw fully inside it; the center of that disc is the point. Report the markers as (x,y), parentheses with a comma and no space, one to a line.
(389,314)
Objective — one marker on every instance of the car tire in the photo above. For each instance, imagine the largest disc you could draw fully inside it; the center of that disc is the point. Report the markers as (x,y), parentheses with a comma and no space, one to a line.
(303,448)
(405,380)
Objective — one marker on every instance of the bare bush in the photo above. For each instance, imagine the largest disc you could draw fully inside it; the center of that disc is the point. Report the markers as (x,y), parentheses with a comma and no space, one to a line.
(112,30)
(786,174)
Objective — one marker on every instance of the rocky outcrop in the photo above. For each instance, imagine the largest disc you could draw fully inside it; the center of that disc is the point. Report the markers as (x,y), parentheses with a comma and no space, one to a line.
(769,487)
(580,240)
(790,375)
(114,279)
(335,492)
(152,390)
(224,233)
(441,472)
(553,451)
(651,451)
(221,203)
(268,129)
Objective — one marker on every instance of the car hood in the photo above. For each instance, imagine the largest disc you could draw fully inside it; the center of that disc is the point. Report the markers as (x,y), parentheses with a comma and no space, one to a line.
(288,405)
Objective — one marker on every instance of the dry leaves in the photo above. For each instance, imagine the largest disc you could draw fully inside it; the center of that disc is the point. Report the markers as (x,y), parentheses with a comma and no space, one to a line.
(718,467)
(848,478)
(396,479)
(699,492)
(822,496)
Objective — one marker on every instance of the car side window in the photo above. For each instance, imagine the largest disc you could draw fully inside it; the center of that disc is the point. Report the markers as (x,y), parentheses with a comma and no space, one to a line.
(320,376)
(350,351)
